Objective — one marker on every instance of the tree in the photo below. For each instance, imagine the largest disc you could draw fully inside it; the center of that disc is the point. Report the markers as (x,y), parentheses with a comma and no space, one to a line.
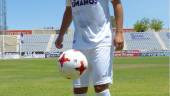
(156,24)
(142,25)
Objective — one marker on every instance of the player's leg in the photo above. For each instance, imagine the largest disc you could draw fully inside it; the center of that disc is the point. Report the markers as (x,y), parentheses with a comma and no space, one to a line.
(102,70)
(80,91)
(102,90)
(81,85)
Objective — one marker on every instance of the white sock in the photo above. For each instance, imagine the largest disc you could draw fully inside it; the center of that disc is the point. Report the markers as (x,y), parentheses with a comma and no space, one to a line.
(80,94)
(104,93)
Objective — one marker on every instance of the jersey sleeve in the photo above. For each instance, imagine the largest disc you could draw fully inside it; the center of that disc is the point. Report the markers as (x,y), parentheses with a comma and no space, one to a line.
(68,3)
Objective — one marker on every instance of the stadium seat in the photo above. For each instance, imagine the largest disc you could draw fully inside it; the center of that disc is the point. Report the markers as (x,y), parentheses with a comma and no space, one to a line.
(33,43)
(141,41)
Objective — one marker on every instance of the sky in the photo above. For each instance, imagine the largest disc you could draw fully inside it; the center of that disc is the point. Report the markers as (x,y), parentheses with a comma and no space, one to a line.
(36,14)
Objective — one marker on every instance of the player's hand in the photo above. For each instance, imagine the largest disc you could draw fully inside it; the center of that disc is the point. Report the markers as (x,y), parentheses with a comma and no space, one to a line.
(58,42)
(119,41)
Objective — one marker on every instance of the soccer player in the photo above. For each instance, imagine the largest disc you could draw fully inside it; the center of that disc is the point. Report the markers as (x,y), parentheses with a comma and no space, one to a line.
(94,37)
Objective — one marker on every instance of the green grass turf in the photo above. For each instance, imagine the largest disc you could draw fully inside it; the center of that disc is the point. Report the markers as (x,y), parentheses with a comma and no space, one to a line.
(133,76)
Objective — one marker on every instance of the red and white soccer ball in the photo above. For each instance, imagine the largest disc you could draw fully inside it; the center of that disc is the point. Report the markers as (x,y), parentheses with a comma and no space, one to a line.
(72,64)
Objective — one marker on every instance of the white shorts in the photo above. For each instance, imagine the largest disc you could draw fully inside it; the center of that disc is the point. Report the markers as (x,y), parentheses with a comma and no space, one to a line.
(100,69)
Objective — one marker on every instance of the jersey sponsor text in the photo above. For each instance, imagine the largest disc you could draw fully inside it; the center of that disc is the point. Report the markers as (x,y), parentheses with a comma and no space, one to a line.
(83,2)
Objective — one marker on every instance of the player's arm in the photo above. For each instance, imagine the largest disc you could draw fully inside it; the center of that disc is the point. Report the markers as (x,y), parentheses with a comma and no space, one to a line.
(118,12)
(67,19)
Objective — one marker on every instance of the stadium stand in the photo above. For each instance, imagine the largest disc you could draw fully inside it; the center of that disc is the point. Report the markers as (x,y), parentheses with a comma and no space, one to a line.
(45,43)
(141,41)
(67,43)
(34,43)
(133,41)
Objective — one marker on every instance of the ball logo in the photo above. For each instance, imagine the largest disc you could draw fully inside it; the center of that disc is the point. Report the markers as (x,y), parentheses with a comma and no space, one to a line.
(63,59)
(81,68)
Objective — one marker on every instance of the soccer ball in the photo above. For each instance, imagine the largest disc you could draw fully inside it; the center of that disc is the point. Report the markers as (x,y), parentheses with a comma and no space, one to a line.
(72,64)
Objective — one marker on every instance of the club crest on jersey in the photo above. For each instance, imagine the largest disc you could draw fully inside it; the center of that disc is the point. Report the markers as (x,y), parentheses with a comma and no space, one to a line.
(83,2)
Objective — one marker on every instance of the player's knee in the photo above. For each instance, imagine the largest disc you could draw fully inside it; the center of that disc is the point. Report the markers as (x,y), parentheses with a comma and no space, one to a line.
(82,90)
(100,88)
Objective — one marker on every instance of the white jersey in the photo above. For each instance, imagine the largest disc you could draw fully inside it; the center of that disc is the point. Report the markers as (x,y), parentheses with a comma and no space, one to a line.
(92,23)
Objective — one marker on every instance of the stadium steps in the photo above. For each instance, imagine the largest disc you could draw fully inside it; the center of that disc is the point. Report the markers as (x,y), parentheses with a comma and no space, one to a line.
(125,45)
(165,37)
(1,42)
(18,43)
(50,42)
(160,41)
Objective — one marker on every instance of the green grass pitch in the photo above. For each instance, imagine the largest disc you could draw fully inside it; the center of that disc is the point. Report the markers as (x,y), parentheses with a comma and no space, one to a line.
(133,76)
